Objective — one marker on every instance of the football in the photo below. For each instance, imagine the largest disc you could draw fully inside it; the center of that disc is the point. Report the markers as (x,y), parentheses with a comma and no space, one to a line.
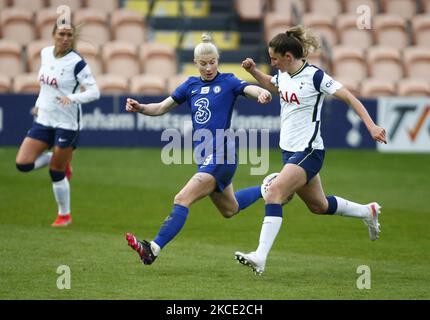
(267,181)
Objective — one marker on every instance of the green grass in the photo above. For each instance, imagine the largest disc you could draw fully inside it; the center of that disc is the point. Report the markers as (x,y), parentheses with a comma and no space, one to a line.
(120,190)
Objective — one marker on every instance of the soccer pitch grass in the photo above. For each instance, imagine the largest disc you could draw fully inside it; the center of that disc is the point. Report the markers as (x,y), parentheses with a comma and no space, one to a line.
(120,190)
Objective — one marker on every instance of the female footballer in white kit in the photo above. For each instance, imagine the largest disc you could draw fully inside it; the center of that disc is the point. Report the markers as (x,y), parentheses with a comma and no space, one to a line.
(302,88)
(62,74)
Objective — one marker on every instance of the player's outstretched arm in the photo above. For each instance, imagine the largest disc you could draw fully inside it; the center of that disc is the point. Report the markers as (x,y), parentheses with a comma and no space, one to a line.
(260,94)
(150,109)
(377,133)
(264,79)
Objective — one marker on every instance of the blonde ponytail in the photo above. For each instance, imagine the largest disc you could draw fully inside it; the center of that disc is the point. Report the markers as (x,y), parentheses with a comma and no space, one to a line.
(206,47)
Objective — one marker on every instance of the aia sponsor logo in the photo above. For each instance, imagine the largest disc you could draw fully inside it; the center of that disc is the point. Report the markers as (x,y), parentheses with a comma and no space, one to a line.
(48,81)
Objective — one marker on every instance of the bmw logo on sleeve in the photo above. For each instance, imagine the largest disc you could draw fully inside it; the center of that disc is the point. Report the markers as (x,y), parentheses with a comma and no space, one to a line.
(203,114)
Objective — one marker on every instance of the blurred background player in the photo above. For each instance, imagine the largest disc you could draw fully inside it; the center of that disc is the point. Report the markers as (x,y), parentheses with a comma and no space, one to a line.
(58,108)
(302,88)
(210,98)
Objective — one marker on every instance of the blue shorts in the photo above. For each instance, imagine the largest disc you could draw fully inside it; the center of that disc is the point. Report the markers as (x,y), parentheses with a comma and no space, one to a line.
(311,160)
(222,172)
(54,136)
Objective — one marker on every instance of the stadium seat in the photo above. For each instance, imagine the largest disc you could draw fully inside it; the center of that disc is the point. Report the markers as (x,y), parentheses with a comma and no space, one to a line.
(373,88)
(224,40)
(145,84)
(112,84)
(322,26)
(102,5)
(350,84)
(403,8)
(121,58)
(390,30)
(350,35)
(290,8)
(413,88)
(319,59)
(166,8)
(10,58)
(3,4)
(139,6)
(275,23)
(33,54)
(426,6)
(5,83)
(128,26)
(351,6)
(45,20)
(249,10)
(158,59)
(72,4)
(165,37)
(91,54)
(417,62)
(26,83)
(196,8)
(16,24)
(421,30)
(175,81)
(348,62)
(384,63)
(32,5)
(95,27)
(327,8)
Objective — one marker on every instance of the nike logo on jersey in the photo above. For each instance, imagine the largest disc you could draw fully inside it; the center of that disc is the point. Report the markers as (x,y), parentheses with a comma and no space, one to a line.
(194,91)
(62,140)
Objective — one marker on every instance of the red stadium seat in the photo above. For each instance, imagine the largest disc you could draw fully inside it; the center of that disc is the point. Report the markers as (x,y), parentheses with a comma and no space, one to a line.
(26,83)
(373,88)
(102,5)
(33,54)
(327,8)
(45,21)
(322,26)
(72,4)
(351,84)
(275,23)
(128,25)
(94,26)
(175,81)
(390,31)
(112,84)
(385,63)
(421,30)
(16,24)
(91,53)
(10,58)
(403,8)
(158,59)
(249,10)
(351,6)
(5,83)
(349,62)
(32,5)
(350,35)
(145,84)
(417,62)
(121,58)
(413,88)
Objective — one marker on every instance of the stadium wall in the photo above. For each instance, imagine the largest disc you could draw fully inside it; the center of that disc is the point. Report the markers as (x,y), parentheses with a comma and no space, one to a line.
(105,122)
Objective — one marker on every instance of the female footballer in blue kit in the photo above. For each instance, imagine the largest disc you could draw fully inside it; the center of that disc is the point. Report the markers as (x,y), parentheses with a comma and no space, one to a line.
(57,125)
(302,88)
(210,98)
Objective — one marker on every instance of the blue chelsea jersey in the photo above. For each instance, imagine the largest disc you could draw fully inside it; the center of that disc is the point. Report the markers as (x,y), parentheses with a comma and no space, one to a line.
(211,102)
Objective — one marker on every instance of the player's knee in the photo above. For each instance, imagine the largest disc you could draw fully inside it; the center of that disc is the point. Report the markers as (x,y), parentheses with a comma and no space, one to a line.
(318,208)
(182,200)
(274,195)
(24,167)
(228,213)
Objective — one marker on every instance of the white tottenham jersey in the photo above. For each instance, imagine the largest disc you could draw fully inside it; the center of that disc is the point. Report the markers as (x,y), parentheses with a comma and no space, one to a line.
(63,77)
(302,95)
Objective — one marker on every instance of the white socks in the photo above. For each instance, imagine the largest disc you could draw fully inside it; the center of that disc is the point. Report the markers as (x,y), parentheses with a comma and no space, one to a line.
(269,231)
(62,196)
(351,209)
(155,248)
(43,160)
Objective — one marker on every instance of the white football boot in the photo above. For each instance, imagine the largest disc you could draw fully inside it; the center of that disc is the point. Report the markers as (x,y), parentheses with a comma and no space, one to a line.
(250,259)
(372,220)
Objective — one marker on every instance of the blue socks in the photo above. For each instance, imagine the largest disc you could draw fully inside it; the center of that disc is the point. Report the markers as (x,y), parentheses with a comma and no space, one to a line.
(172,225)
(248,196)
(273,210)
(332,205)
